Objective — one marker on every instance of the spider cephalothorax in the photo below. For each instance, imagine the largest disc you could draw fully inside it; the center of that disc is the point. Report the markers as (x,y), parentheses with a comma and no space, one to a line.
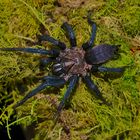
(71,62)
(68,64)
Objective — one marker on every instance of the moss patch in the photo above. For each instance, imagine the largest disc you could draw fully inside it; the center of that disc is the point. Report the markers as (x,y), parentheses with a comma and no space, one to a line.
(118,23)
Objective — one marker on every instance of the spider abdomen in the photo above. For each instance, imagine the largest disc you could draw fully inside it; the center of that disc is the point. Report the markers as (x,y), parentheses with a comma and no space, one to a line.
(100,54)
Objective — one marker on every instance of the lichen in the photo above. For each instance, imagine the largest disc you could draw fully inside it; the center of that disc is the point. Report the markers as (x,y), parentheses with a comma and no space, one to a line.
(84,116)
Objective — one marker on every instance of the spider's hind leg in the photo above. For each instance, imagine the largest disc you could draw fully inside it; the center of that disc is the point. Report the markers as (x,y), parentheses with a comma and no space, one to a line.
(94,88)
(89,44)
(71,34)
(72,82)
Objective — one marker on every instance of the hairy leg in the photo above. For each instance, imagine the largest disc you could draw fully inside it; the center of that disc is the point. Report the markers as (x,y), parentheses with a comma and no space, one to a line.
(55,42)
(72,82)
(105,69)
(45,61)
(94,88)
(71,34)
(90,43)
(53,52)
(48,81)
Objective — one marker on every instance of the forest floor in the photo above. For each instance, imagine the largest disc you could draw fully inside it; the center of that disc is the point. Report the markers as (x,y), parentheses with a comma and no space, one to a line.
(84,118)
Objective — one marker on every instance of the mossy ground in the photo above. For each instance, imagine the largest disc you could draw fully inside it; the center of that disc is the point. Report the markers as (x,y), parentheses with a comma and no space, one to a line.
(118,22)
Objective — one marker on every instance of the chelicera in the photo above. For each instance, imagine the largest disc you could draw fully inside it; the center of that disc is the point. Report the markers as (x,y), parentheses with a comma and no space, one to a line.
(70,64)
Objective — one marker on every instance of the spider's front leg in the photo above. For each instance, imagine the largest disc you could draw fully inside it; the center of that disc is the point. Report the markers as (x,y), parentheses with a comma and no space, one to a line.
(55,42)
(48,81)
(72,82)
(94,88)
(71,34)
(53,52)
(45,61)
(90,43)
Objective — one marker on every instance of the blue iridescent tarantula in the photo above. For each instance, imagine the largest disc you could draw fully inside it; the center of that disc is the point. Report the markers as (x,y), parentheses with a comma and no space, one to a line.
(69,64)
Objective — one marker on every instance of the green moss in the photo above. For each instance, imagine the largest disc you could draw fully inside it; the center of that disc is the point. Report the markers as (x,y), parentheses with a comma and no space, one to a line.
(118,23)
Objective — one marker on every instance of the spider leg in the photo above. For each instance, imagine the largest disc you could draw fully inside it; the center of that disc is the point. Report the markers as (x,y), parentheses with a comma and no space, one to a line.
(105,69)
(72,82)
(45,61)
(55,42)
(49,81)
(90,43)
(53,52)
(71,34)
(94,88)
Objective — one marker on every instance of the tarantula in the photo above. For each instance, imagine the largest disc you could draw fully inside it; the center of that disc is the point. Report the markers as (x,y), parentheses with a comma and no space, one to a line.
(71,63)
